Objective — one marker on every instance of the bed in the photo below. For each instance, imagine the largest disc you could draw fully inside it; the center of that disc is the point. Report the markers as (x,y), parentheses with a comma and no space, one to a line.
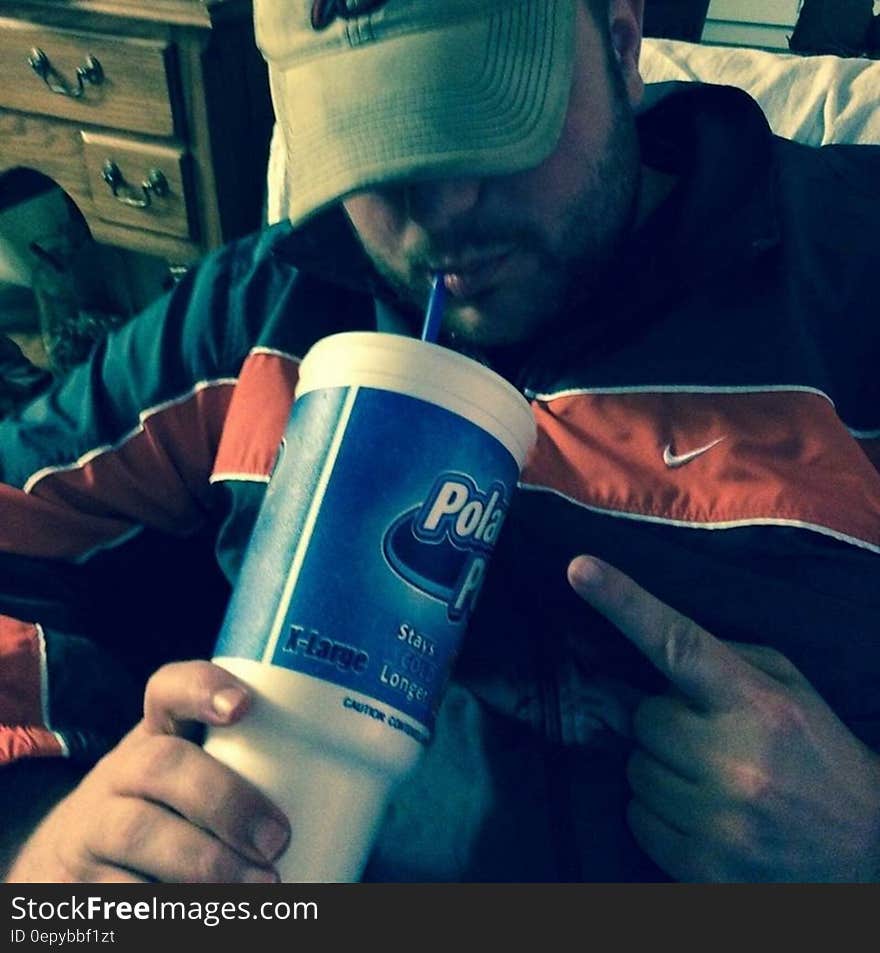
(814,99)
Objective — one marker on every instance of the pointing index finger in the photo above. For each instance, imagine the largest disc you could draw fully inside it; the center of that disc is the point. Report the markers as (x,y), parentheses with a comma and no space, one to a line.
(709,673)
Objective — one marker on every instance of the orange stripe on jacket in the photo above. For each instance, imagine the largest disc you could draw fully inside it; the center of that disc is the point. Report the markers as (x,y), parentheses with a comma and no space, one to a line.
(70,511)
(257,416)
(20,673)
(783,456)
(26,742)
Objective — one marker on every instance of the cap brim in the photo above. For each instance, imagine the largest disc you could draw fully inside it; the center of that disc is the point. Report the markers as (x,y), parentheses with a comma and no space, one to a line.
(484,96)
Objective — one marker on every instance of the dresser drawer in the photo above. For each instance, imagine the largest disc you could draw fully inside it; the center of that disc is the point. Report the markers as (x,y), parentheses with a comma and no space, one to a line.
(140,185)
(125,83)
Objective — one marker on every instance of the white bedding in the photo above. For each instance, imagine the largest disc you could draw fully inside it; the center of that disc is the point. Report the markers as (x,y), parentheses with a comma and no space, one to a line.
(814,99)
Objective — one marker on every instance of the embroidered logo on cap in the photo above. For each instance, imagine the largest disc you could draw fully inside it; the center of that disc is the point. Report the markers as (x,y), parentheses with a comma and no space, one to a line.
(324,12)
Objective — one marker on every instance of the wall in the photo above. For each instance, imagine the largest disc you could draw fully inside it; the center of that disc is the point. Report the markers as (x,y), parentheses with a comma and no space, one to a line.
(763,23)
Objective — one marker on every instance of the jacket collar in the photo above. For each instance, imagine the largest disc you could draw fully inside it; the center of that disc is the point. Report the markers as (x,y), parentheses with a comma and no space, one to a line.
(717,141)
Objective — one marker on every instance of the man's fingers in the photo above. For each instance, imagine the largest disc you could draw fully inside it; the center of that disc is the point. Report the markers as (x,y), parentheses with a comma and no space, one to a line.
(107,874)
(666,846)
(675,800)
(674,733)
(184,692)
(172,772)
(771,662)
(699,665)
(685,858)
(151,840)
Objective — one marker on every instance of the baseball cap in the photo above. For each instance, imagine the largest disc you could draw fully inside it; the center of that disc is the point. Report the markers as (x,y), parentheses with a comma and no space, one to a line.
(371,91)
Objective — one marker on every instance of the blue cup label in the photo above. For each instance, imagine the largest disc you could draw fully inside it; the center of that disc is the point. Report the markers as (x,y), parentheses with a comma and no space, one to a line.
(442,546)
(371,548)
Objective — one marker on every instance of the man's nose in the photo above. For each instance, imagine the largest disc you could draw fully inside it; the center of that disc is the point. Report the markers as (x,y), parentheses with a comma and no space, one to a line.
(439,204)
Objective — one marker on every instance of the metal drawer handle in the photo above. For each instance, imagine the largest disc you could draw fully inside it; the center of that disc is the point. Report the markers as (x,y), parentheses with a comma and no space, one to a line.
(154,184)
(92,73)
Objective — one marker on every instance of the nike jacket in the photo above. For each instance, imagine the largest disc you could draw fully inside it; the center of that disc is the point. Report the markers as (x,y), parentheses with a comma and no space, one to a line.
(708,421)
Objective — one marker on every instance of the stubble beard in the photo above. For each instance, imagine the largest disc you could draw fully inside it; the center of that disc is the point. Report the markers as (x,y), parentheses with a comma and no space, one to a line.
(569,265)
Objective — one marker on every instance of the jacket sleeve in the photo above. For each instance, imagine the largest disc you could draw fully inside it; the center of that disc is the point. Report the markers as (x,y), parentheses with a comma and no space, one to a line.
(110,703)
(106,509)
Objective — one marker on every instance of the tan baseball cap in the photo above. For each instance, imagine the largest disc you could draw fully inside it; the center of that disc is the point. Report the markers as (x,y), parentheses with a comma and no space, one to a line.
(370,91)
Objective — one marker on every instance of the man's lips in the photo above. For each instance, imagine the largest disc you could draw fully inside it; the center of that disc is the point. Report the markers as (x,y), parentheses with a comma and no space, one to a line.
(468,276)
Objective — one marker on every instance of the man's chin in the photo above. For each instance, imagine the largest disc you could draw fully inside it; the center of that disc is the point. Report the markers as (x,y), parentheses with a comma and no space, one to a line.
(492,323)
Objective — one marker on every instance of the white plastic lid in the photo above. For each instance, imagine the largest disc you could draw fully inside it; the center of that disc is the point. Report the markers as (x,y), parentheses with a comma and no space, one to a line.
(425,371)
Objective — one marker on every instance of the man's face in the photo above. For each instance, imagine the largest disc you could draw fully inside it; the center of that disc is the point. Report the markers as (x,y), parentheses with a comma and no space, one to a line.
(513,247)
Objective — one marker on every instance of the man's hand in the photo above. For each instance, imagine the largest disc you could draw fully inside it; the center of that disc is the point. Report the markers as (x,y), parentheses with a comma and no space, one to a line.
(158,807)
(741,772)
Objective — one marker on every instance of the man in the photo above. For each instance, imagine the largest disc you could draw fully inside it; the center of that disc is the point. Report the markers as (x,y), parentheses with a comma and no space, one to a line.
(673,295)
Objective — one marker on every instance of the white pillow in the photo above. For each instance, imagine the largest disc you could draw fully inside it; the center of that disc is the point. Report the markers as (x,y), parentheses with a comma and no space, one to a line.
(814,99)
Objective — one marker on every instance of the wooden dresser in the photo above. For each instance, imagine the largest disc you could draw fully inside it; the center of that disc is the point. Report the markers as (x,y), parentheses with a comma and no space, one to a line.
(153,115)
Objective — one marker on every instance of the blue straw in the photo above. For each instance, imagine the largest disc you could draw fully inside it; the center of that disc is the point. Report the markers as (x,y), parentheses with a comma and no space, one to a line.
(434,314)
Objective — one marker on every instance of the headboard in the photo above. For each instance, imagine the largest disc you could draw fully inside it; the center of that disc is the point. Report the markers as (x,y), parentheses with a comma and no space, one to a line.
(676,19)
(840,27)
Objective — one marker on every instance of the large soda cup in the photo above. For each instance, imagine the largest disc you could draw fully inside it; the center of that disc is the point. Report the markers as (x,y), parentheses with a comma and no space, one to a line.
(393,479)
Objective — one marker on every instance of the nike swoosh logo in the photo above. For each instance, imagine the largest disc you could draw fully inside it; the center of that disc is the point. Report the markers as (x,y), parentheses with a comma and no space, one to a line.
(675,460)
